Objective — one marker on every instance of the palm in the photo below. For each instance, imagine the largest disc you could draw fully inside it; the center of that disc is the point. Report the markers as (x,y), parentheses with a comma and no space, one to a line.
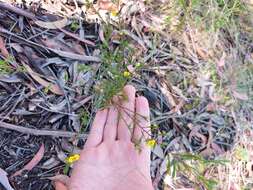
(110,159)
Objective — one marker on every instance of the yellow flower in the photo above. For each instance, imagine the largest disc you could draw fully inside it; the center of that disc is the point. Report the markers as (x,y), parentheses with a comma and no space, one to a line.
(72,158)
(114,13)
(151,143)
(126,74)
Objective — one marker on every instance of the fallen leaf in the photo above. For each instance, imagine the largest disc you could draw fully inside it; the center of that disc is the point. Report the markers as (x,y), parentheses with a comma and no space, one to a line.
(61,178)
(211,107)
(221,62)
(4,180)
(3,49)
(202,53)
(168,95)
(240,96)
(101,34)
(77,37)
(158,151)
(52,87)
(56,44)
(195,133)
(17,47)
(131,68)
(107,5)
(52,25)
(75,56)
(35,160)
(217,149)
(50,163)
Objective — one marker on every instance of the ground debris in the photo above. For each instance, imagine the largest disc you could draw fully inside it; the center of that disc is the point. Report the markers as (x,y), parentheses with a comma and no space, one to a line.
(59,61)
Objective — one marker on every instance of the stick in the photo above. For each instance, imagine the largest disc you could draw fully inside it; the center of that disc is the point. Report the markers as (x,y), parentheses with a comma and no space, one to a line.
(77,38)
(17,10)
(38,132)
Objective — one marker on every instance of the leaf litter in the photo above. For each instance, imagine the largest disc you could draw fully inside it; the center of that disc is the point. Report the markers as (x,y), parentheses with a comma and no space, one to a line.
(58,64)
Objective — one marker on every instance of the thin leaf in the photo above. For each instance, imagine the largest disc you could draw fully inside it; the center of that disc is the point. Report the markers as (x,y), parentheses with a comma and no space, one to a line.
(75,56)
(52,25)
(52,87)
(3,49)
(4,180)
(35,160)
(62,178)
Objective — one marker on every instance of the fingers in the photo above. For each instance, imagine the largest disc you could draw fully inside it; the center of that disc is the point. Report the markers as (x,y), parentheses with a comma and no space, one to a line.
(126,115)
(142,121)
(97,130)
(110,130)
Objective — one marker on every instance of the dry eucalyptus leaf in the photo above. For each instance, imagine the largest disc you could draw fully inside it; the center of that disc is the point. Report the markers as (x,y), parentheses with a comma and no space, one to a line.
(4,180)
(35,160)
(62,178)
(158,151)
(52,25)
(3,49)
(52,87)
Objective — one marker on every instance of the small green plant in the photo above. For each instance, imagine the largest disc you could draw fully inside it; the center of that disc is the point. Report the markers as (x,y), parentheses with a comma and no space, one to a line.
(5,68)
(193,167)
(244,77)
(113,74)
(84,118)
(74,26)
(84,68)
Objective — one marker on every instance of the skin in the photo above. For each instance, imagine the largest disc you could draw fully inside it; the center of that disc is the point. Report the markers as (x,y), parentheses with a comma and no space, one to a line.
(110,160)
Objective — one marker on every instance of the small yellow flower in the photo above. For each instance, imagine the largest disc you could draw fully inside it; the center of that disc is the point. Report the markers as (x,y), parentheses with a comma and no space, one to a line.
(72,158)
(114,13)
(151,143)
(126,74)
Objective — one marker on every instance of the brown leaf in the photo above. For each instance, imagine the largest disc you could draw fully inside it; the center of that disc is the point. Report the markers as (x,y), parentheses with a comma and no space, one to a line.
(195,132)
(35,160)
(61,178)
(57,44)
(4,180)
(203,54)
(221,62)
(52,87)
(168,95)
(3,49)
(77,38)
(76,56)
(107,5)
(211,107)
(52,25)
(217,149)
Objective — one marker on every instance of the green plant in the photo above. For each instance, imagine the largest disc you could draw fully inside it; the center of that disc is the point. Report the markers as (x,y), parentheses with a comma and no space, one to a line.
(211,15)
(193,166)
(5,68)
(84,118)
(113,74)
(74,26)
